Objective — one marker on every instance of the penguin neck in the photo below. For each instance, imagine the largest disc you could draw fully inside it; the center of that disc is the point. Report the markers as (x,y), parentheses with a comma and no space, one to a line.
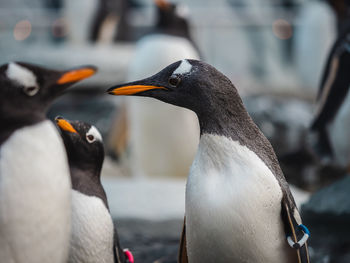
(91,169)
(87,181)
(232,121)
(9,123)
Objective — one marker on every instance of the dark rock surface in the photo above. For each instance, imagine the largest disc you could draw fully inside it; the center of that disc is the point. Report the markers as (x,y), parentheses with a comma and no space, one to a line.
(150,241)
(327,215)
(330,203)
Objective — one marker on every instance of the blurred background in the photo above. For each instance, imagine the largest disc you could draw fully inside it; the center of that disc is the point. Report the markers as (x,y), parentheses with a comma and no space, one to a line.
(275,53)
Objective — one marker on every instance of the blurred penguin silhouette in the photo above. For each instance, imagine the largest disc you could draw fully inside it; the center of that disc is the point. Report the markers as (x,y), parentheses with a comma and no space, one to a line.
(110,22)
(163,138)
(332,119)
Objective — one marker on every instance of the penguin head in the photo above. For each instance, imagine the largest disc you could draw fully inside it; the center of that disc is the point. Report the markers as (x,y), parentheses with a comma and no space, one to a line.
(30,89)
(187,83)
(172,17)
(83,143)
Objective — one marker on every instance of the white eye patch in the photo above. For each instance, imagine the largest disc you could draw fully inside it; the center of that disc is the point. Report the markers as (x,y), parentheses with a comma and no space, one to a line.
(95,133)
(184,68)
(21,75)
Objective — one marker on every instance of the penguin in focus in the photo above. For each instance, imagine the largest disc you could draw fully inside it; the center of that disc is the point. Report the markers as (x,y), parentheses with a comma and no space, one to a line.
(34,174)
(332,118)
(169,43)
(239,207)
(93,238)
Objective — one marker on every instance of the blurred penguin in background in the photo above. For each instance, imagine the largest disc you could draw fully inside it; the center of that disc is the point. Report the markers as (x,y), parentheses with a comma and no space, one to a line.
(332,119)
(107,13)
(35,196)
(157,142)
(312,41)
(326,151)
(94,238)
(110,22)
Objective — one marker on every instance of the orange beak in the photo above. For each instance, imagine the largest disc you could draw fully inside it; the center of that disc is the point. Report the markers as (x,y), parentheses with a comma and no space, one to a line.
(133,89)
(76,75)
(64,125)
(162,4)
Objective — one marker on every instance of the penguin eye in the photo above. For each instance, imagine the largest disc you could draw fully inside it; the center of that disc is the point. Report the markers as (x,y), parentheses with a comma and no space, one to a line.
(90,138)
(174,80)
(31,90)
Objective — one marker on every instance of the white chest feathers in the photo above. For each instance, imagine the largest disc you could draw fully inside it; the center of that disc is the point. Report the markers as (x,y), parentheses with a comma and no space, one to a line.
(233,206)
(34,196)
(92,230)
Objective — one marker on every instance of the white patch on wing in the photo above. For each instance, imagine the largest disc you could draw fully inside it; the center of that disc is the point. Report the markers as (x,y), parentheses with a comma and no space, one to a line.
(93,131)
(297,216)
(328,85)
(184,67)
(233,206)
(21,75)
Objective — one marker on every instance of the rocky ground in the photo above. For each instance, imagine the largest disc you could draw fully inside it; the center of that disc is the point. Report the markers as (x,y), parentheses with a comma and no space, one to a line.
(150,241)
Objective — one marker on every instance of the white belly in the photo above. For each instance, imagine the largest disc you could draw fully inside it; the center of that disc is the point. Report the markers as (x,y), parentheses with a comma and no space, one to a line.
(92,230)
(34,196)
(164,138)
(233,206)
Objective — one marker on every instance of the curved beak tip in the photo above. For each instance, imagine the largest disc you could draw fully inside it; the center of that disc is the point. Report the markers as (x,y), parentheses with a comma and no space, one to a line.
(110,91)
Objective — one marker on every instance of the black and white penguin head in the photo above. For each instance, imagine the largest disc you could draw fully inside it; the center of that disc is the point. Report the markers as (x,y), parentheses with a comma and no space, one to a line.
(27,88)
(83,143)
(172,17)
(187,83)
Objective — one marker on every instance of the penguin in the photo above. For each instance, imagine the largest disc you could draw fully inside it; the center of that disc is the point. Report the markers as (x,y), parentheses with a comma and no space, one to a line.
(332,117)
(170,39)
(172,20)
(93,238)
(148,146)
(34,173)
(239,207)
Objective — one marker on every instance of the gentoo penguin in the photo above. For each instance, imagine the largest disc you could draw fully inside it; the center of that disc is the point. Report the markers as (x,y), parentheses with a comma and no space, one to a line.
(157,149)
(239,207)
(332,118)
(172,20)
(34,173)
(93,237)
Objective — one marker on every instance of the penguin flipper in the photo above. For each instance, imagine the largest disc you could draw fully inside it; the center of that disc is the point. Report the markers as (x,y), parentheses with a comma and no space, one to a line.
(182,256)
(294,231)
(334,86)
